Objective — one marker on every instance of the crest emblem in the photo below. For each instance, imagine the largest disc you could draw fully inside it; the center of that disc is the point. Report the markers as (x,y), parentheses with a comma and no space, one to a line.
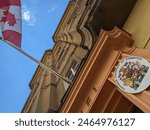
(132,74)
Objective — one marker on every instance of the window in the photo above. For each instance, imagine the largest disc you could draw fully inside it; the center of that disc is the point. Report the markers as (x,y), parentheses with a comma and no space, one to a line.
(71,73)
(73,70)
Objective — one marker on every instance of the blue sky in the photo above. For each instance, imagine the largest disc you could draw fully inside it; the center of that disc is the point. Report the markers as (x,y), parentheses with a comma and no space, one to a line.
(40,20)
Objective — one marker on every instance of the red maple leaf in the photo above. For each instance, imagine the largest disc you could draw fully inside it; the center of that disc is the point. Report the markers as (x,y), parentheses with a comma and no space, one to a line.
(8,16)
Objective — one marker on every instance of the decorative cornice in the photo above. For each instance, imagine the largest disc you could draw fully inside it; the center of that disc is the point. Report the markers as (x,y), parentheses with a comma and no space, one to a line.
(106,41)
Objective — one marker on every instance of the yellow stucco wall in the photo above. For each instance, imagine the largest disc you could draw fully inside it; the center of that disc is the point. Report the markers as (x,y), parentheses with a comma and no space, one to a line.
(138,24)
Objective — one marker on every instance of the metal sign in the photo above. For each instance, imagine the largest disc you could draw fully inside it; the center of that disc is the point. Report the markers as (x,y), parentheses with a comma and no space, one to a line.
(133,74)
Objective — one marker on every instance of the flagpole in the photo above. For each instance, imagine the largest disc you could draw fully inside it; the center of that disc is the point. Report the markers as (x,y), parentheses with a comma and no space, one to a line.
(38,62)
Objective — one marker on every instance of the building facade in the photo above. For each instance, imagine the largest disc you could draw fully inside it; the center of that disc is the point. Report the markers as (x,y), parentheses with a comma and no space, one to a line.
(75,39)
(96,90)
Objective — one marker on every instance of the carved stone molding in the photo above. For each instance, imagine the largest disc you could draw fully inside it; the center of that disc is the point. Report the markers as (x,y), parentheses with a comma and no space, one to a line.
(95,90)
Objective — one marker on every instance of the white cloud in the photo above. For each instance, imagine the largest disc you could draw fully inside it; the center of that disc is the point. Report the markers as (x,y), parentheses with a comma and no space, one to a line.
(28,16)
(52,9)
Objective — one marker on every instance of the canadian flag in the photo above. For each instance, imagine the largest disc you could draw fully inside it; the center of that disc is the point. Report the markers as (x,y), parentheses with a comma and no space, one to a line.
(10,21)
